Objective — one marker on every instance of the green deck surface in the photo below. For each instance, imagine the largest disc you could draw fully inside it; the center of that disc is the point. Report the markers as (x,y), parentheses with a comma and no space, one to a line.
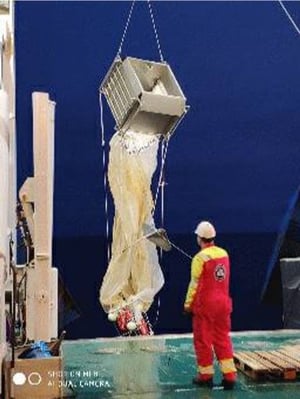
(162,367)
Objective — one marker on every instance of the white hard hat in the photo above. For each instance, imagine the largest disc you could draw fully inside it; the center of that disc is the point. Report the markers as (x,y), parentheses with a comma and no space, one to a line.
(205,230)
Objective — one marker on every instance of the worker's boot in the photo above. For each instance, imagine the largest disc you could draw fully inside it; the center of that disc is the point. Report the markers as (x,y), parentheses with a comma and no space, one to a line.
(229,381)
(228,385)
(203,382)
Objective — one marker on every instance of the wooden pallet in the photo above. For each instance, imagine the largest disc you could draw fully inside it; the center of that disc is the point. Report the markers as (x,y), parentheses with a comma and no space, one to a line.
(281,364)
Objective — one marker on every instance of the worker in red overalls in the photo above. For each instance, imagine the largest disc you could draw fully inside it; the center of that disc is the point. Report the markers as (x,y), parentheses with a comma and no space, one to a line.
(210,304)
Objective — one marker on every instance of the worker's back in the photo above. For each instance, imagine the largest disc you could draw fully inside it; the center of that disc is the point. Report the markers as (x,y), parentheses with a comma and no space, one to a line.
(213,284)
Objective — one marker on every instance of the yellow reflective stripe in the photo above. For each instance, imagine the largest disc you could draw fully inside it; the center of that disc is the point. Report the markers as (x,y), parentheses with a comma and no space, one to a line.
(227,366)
(206,369)
(196,271)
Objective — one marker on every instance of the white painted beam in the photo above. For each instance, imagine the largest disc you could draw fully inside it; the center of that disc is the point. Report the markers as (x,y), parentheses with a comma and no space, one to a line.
(40,280)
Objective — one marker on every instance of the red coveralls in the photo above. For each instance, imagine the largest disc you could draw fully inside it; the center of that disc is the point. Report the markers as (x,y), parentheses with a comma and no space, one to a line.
(209,301)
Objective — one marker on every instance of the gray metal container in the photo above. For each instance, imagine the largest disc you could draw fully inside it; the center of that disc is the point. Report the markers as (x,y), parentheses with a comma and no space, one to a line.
(144,96)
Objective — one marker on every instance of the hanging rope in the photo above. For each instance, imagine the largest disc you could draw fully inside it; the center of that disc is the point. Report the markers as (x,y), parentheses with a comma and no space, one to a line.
(156,313)
(107,229)
(180,250)
(289,17)
(162,198)
(126,28)
(165,144)
(153,27)
(155,32)
(163,183)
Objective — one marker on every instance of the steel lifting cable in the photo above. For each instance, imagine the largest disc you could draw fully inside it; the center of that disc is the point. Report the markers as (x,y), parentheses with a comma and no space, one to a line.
(154,27)
(162,197)
(161,186)
(155,31)
(157,312)
(161,182)
(126,28)
(289,17)
(103,144)
(180,250)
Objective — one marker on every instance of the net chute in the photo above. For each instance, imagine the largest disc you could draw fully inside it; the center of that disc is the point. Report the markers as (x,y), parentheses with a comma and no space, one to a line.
(134,275)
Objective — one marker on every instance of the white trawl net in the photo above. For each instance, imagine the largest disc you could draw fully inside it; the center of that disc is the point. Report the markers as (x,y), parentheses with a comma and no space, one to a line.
(133,276)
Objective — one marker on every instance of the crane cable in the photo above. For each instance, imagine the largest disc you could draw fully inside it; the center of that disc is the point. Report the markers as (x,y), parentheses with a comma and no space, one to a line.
(289,17)
(154,27)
